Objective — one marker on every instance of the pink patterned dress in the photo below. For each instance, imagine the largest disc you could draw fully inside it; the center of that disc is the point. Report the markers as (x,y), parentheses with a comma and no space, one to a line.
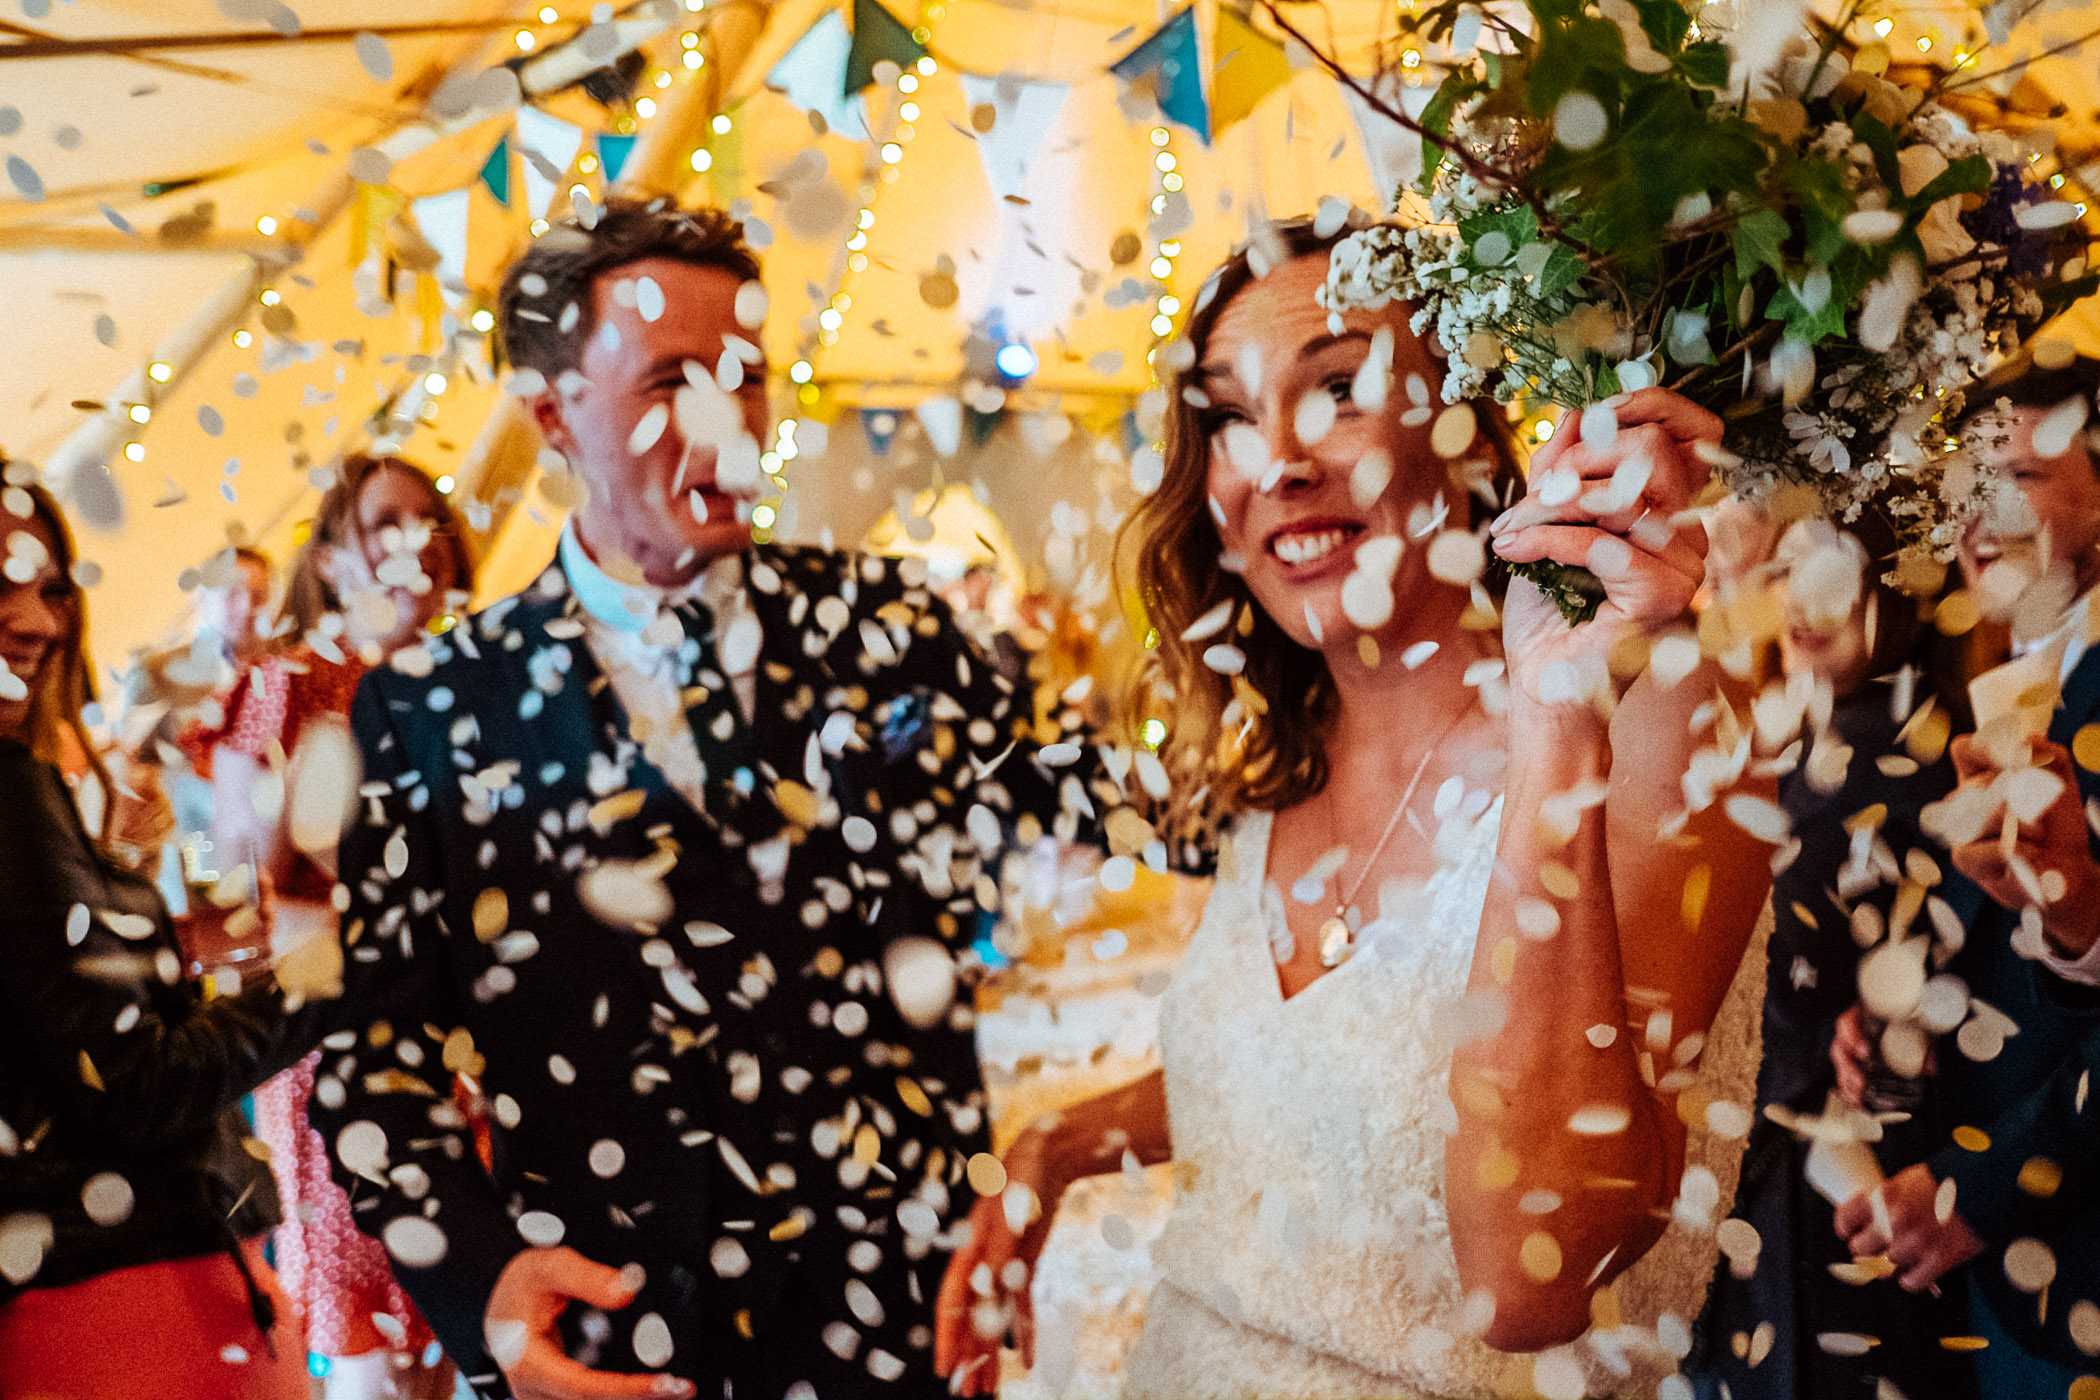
(336,1275)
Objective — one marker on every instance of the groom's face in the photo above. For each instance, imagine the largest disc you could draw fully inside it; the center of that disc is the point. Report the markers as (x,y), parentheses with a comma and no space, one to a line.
(660,500)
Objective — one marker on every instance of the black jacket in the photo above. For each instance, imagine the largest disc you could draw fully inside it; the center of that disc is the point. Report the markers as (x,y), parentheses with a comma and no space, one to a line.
(720,1090)
(115,1078)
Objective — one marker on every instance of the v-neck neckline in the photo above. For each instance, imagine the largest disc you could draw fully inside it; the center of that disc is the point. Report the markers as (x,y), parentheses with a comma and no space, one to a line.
(1269,971)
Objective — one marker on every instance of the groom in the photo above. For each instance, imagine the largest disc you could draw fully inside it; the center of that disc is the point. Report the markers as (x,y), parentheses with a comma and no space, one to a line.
(671,856)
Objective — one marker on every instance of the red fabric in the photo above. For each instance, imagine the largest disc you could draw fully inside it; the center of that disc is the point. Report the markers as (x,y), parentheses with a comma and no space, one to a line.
(338,1274)
(155,1332)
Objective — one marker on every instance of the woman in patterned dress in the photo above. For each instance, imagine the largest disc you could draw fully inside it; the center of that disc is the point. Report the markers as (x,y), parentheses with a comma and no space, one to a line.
(385,560)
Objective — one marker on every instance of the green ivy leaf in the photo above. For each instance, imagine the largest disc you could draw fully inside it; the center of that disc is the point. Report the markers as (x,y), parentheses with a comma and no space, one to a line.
(1878,137)
(1969,175)
(1758,240)
(1704,64)
(1436,119)
(1665,22)
(1564,268)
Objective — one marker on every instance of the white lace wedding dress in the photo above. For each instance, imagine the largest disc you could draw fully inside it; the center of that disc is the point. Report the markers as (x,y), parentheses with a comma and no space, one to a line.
(1308,1254)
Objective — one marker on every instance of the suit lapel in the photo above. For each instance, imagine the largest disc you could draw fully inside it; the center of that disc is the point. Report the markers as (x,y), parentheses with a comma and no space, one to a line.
(2080,699)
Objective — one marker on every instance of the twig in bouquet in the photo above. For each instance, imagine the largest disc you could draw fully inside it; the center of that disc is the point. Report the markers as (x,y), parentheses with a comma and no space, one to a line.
(1833,35)
(2015,66)
(1473,165)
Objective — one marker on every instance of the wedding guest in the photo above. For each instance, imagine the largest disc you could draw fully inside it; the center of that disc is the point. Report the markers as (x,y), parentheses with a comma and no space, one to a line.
(131,1216)
(1337,1228)
(676,849)
(2011,1195)
(1871,653)
(383,520)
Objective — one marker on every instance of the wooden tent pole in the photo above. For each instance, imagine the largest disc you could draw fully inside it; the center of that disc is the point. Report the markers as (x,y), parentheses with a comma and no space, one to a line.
(79,466)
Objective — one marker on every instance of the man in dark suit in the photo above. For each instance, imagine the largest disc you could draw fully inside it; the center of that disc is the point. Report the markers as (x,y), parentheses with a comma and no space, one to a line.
(671,855)
(2015,1193)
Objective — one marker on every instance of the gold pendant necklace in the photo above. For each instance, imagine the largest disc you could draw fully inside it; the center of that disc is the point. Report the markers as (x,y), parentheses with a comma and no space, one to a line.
(1337,939)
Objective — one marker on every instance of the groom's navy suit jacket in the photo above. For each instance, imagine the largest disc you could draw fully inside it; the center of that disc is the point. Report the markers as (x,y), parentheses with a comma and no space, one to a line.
(719,1089)
(2033,1102)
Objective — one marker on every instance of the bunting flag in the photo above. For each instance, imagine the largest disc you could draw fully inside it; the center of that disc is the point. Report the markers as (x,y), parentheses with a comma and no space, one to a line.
(1393,152)
(942,420)
(495,172)
(983,425)
(877,35)
(549,146)
(880,427)
(442,220)
(373,208)
(1022,114)
(1171,62)
(613,152)
(812,75)
(1248,66)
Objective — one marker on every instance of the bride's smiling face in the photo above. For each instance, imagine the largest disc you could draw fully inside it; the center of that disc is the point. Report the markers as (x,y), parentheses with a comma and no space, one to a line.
(1281,466)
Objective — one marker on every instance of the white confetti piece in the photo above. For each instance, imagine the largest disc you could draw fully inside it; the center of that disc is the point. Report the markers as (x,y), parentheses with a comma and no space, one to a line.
(1454,431)
(541,1228)
(1225,659)
(1579,121)
(107,1198)
(1599,1120)
(1210,624)
(415,1242)
(373,54)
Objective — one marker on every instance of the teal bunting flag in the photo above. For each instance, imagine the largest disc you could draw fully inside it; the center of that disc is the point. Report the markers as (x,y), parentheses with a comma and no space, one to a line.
(613,152)
(1171,59)
(495,172)
(877,35)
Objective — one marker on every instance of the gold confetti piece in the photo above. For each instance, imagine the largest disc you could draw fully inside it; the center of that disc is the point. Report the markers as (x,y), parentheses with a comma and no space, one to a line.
(797,803)
(913,1096)
(2040,1177)
(1367,651)
(1972,1139)
(1698,881)
(89,1075)
(1862,1271)
(1495,1169)
(867,1145)
(1504,960)
(1964,1343)
(794,1227)
(1560,882)
(491,914)
(1540,1256)
(987,1174)
(617,808)
(458,1054)
(1957,613)
(1605,1313)
(2084,1388)
(258,1149)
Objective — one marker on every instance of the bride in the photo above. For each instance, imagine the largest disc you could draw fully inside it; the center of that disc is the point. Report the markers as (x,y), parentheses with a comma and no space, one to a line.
(1408,1145)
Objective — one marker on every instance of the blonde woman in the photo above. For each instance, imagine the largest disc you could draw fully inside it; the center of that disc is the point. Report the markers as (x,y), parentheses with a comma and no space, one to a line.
(1422,1059)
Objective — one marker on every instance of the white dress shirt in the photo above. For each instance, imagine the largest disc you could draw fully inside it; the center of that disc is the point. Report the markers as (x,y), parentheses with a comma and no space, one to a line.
(634,638)
(2077,633)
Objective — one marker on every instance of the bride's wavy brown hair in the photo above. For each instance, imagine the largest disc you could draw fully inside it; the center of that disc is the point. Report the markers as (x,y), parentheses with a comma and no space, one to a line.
(1169,548)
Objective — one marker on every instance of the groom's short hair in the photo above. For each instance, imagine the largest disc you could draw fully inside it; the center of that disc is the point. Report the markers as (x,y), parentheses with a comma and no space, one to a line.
(536,330)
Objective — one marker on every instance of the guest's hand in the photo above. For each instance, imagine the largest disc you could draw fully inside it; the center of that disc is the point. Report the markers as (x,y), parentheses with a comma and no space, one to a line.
(1613,512)
(523,1334)
(2058,842)
(1917,1242)
(1850,1054)
(968,1325)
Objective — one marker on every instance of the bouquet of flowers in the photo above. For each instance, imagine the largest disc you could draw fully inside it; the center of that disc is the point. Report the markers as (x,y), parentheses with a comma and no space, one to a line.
(1743,210)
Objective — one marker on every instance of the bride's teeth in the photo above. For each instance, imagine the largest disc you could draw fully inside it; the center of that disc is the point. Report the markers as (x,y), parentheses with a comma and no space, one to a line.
(1305,549)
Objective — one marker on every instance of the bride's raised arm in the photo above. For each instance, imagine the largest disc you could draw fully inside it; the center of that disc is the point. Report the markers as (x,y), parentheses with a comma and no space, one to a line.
(1605,943)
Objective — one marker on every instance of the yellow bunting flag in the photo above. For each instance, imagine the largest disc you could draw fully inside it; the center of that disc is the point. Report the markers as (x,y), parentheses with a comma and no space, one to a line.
(1249,66)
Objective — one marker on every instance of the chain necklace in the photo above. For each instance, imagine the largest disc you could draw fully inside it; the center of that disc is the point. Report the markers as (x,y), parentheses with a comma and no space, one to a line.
(1337,939)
